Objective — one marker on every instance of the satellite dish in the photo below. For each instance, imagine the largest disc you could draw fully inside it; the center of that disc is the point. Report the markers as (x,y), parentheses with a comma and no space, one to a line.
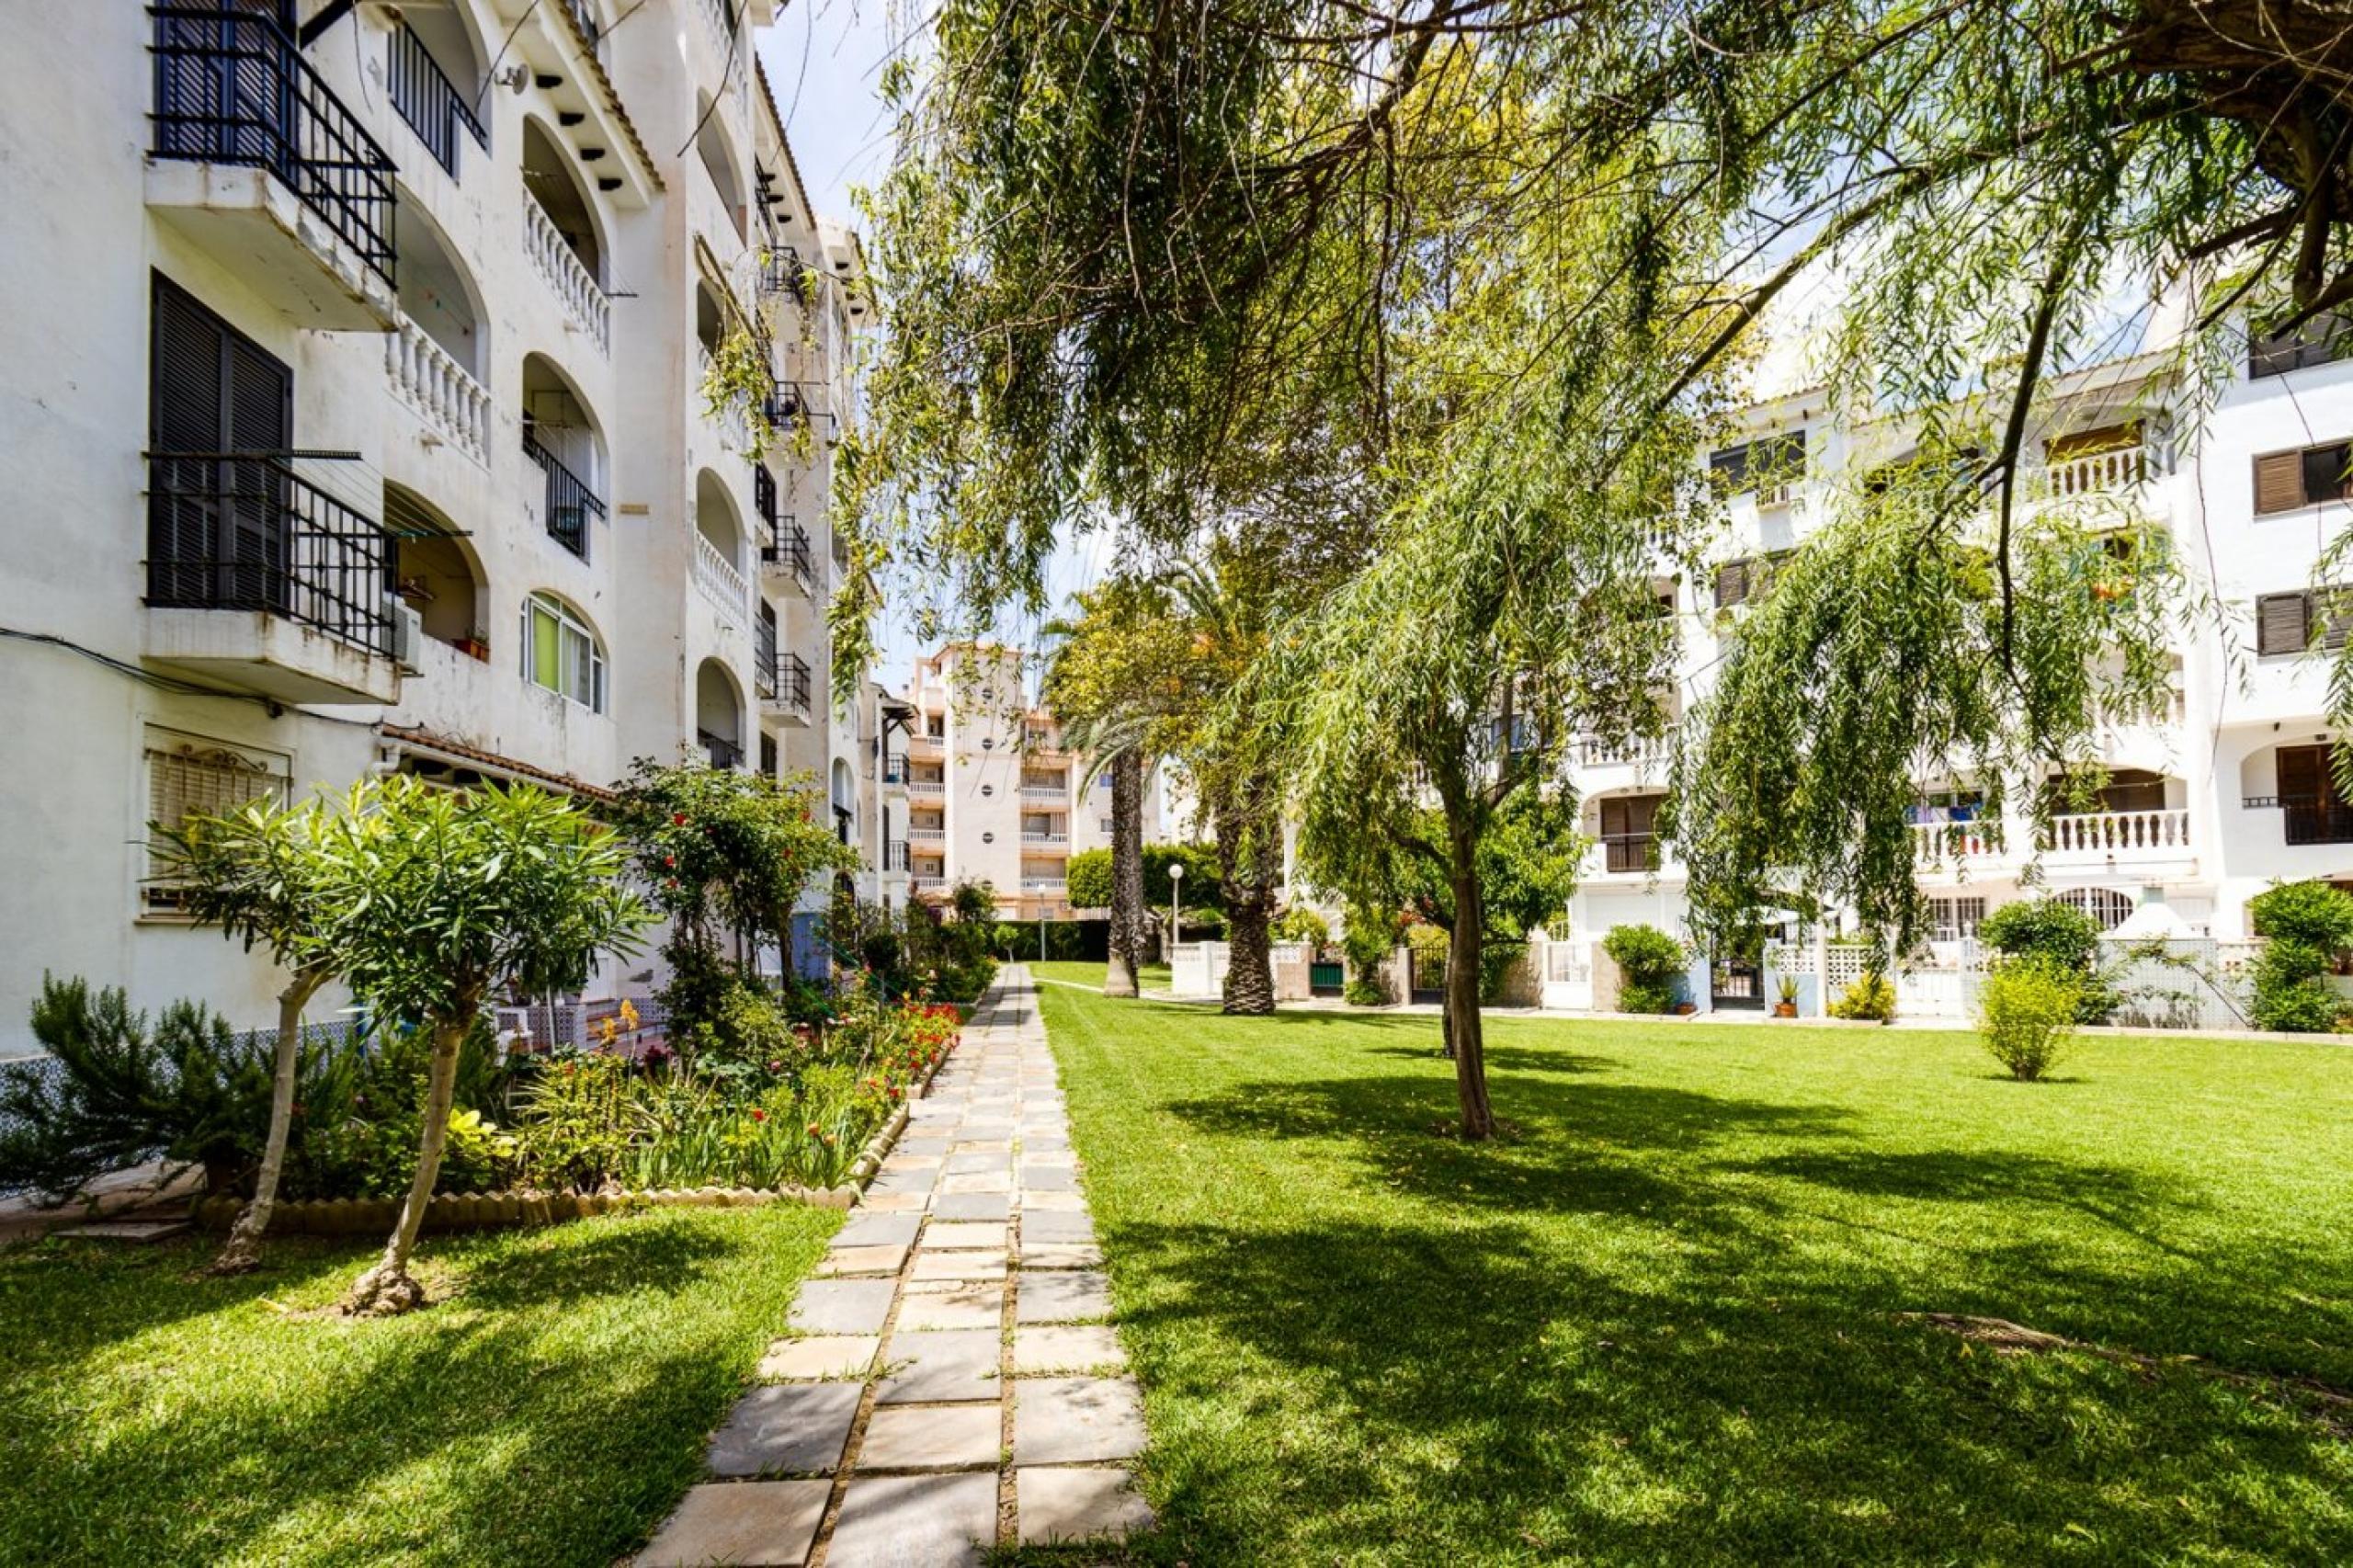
(514,78)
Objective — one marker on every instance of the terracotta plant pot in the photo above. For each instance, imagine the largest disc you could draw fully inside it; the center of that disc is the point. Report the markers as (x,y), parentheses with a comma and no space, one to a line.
(1785,1009)
(1684,1009)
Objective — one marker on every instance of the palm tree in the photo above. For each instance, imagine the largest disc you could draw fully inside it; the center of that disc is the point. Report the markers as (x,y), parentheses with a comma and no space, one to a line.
(1117,743)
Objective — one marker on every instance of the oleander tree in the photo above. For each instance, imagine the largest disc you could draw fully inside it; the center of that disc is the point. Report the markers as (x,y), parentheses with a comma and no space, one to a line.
(255,874)
(1264,250)
(432,900)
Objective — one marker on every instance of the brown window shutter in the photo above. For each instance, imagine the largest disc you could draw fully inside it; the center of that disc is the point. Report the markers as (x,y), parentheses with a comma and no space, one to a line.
(2282,624)
(1731,582)
(2303,774)
(2278,483)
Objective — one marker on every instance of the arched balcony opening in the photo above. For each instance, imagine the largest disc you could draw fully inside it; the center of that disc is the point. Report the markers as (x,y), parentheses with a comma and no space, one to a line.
(437,574)
(437,294)
(550,180)
(719,161)
(719,715)
(563,440)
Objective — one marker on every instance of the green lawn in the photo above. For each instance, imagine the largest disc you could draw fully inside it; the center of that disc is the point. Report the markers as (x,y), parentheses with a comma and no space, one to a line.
(552,1409)
(1663,1322)
(1150,976)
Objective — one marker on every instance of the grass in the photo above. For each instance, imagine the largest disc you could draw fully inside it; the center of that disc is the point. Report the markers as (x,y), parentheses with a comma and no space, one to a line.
(1665,1320)
(550,1407)
(1150,976)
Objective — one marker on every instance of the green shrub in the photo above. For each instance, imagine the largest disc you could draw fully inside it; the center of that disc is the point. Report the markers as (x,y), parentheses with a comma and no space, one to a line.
(2315,913)
(1634,997)
(2058,935)
(1363,994)
(1872,998)
(2026,1011)
(1649,962)
(112,1093)
(1300,924)
(2305,925)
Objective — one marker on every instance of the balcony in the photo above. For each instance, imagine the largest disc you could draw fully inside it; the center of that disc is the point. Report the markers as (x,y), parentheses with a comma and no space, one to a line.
(1039,792)
(2317,822)
(894,856)
(1950,842)
(1051,837)
(2127,837)
(718,583)
(1638,751)
(2094,473)
(257,160)
(791,697)
(764,659)
(927,835)
(259,579)
(571,504)
(787,555)
(430,102)
(439,389)
(894,769)
(1057,886)
(582,298)
(927,786)
(721,751)
(927,884)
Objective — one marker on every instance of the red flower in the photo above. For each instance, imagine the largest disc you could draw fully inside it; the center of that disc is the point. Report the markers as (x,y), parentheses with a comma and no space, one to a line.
(677,819)
(758,1115)
(670,860)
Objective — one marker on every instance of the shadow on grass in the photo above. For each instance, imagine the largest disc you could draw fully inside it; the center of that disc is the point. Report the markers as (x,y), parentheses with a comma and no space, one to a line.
(1466,1393)
(539,1414)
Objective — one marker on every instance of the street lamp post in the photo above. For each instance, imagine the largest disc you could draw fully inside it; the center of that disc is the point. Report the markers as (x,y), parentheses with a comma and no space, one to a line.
(1176,905)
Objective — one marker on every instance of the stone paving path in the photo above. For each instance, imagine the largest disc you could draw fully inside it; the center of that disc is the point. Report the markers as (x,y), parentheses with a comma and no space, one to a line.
(951,1381)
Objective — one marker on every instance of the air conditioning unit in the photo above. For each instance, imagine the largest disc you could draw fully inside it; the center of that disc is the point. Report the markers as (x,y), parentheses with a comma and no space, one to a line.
(408,635)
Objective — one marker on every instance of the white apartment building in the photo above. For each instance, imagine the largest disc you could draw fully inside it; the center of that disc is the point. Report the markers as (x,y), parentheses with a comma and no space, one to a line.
(353,362)
(991,794)
(2228,791)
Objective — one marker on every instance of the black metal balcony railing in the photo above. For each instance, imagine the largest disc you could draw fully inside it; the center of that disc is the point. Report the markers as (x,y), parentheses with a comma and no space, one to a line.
(2317,822)
(781,274)
(784,405)
(789,548)
(791,676)
(894,769)
(1629,851)
(764,657)
(764,495)
(233,87)
(429,101)
(722,752)
(845,824)
(232,530)
(571,504)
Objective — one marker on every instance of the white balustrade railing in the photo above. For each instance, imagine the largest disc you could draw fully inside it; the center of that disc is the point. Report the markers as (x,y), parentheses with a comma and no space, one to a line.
(1593,752)
(2094,473)
(721,582)
(1045,792)
(927,786)
(1045,838)
(1936,841)
(583,298)
(927,835)
(1043,884)
(2152,833)
(730,416)
(434,384)
(928,885)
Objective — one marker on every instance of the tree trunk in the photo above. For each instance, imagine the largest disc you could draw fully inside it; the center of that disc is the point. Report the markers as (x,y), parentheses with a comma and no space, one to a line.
(1127,872)
(387,1290)
(1462,997)
(243,1250)
(1249,970)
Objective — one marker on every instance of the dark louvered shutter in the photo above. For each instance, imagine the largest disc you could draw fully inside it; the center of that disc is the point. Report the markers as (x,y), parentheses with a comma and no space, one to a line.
(185,417)
(2278,483)
(1731,582)
(2304,774)
(259,414)
(2282,624)
(2324,472)
(1730,468)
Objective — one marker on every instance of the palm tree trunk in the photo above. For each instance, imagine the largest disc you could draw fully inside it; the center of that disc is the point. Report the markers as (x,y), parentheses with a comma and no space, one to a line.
(1249,974)
(243,1250)
(387,1290)
(1127,872)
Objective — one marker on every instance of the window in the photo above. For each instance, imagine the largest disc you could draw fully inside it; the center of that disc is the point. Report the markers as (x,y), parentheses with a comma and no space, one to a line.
(1732,581)
(2285,482)
(1955,920)
(191,777)
(1767,465)
(2289,623)
(2106,907)
(2313,812)
(219,529)
(562,653)
(2316,342)
(1629,824)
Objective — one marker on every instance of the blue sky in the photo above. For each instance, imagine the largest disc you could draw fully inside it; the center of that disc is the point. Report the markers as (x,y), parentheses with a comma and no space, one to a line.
(825,60)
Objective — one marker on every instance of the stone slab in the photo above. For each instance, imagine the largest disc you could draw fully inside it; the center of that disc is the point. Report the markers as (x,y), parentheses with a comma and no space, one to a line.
(955,1235)
(1053,1202)
(1065,1348)
(1046,1178)
(934,1521)
(1080,1296)
(966,1306)
(873,1229)
(977,1181)
(941,1368)
(130,1233)
(972,1206)
(903,1161)
(913,1146)
(932,1437)
(930,1264)
(1087,1504)
(820,1356)
(966,1164)
(786,1429)
(893,1202)
(1061,1255)
(1071,1225)
(885,1257)
(757,1524)
(841,1306)
(1077,1420)
(905,1181)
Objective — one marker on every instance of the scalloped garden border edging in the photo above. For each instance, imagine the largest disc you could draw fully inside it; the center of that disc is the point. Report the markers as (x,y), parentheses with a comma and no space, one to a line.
(478,1210)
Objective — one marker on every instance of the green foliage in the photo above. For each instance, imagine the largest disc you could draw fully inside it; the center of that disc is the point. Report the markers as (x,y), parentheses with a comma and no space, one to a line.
(971,903)
(1368,934)
(2025,1013)
(1089,879)
(2059,935)
(2304,926)
(1363,993)
(1871,999)
(1646,955)
(1300,924)
(113,1092)
(358,1122)
(1635,996)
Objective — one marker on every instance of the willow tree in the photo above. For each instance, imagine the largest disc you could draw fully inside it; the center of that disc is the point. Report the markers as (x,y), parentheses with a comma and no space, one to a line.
(1191,277)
